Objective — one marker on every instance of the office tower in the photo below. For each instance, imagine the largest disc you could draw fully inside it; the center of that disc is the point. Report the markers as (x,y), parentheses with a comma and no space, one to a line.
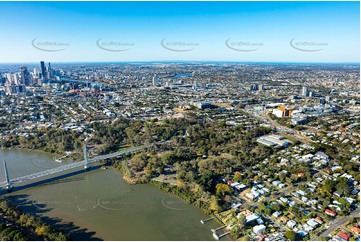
(15,79)
(20,89)
(36,73)
(49,71)
(155,81)
(304,91)
(25,78)
(2,79)
(260,87)
(254,87)
(43,69)
(8,77)
(311,94)
(8,85)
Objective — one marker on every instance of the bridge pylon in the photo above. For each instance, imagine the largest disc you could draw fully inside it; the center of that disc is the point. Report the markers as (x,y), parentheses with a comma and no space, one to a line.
(8,182)
(86,165)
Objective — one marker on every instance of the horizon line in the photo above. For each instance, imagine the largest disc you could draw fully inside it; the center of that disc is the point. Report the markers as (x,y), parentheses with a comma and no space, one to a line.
(186,61)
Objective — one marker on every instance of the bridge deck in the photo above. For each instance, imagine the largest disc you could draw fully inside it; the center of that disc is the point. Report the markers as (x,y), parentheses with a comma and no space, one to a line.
(72,165)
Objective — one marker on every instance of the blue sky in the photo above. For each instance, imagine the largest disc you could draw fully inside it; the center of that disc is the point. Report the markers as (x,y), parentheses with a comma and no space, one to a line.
(256,31)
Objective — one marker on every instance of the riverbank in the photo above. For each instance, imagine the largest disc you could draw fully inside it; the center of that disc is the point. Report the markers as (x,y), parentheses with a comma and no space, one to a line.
(17,225)
(182,192)
(189,197)
(74,156)
(18,147)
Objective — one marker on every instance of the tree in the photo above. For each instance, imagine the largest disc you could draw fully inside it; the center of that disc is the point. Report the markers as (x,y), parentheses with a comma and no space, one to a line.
(206,180)
(214,206)
(138,162)
(342,184)
(223,189)
(5,234)
(167,158)
(41,230)
(245,238)
(329,186)
(235,232)
(228,199)
(237,177)
(276,207)
(189,176)
(247,182)
(19,237)
(241,220)
(262,206)
(291,235)
(282,176)
(326,202)
(77,145)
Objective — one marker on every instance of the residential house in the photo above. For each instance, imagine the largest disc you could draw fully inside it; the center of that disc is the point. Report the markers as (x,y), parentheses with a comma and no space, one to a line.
(283,219)
(252,217)
(330,212)
(319,220)
(312,222)
(344,236)
(259,229)
(277,214)
(291,223)
(355,229)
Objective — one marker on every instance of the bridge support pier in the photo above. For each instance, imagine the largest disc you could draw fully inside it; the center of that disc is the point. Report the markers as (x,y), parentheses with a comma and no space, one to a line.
(8,183)
(86,165)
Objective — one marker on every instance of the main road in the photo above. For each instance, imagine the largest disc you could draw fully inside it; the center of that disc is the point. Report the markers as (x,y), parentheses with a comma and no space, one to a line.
(263,117)
(339,222)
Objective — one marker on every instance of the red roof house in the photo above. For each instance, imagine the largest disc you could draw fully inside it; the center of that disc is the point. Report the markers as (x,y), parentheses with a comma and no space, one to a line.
(330,212)
(328,170)
(319,220)
(344,235)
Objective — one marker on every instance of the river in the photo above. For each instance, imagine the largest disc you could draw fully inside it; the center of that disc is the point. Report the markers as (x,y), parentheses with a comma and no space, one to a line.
(100,205)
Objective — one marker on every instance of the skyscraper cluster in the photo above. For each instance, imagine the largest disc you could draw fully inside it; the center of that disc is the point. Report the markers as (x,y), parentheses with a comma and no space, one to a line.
(46,73)
(16,83)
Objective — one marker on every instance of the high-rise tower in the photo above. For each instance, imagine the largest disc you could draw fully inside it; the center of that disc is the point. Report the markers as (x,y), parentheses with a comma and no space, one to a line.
(43,70)
(305,91)
(25,77)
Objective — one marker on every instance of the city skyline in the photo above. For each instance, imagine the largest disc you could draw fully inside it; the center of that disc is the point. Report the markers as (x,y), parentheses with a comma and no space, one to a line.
(290,32)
